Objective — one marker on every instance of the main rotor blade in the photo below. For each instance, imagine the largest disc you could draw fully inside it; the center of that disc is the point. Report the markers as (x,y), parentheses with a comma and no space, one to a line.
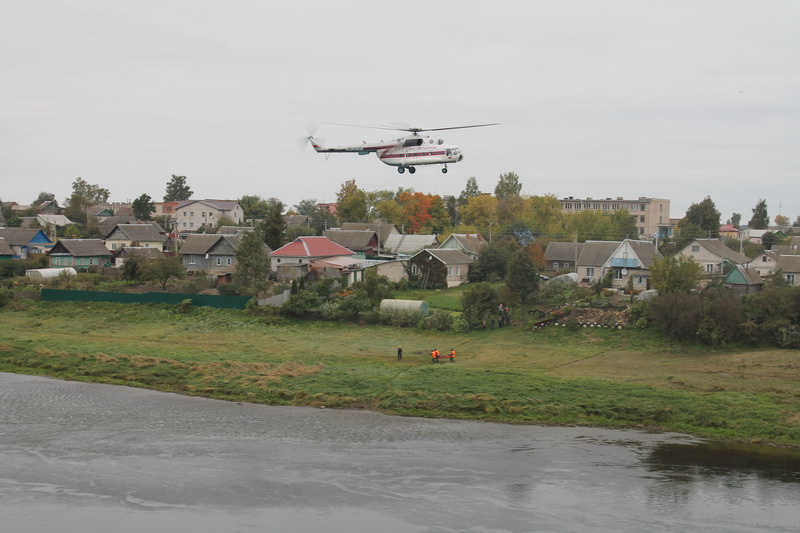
(459,127)
(413,130)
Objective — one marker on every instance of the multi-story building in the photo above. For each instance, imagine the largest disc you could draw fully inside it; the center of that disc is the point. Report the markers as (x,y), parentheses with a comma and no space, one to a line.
(651,214)
(191,215)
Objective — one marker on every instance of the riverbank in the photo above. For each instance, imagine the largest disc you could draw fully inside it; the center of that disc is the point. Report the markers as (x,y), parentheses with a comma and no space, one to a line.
(591,377)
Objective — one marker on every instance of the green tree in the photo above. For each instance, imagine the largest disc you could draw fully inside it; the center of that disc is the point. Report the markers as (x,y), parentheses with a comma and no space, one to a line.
(477,303)
(162,269)
(703,215)
(84,196)
(675,274)
(783,222)
(736,219)
(143,207)
(624,225)
(177,189)
(351,203)
(492,263)
(252,270)
(43,197)
(760,218)
(522,279)
(373,289)
(274,224)
(471,190)
(480,211)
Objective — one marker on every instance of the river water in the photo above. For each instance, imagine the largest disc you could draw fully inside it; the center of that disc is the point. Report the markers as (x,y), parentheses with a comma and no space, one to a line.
(77,457)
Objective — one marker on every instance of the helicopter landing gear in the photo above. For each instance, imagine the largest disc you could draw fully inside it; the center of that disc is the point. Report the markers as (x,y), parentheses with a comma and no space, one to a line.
(444,169)
(401,169)
(411,170)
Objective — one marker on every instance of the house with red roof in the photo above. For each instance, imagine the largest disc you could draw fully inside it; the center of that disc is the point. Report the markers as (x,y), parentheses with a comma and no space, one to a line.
(292,259)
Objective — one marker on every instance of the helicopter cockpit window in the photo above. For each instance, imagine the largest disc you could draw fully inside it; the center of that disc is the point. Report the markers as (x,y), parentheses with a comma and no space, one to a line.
(449,152)
(441,141)
(413,142)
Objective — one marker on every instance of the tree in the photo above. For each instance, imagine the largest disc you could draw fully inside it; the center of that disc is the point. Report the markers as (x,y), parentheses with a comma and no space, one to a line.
(470,191)
(373,289)
(508,186)
(43,197)
(675,274)
(253,206)
(163,269)
(760,219)
(783,222)
(84,195)
(252,270)
(452,211)
(177,190)
(143,207)
(703,215)
(477,303)
(480,211)
(543,215)
(768,240)
(736,219)
(351,203)
(493,262)
(274,224)
(522,279)
(416,210)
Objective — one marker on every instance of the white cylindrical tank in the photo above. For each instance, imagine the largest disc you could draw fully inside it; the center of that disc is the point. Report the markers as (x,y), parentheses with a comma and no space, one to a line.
(43,274)
(414,306)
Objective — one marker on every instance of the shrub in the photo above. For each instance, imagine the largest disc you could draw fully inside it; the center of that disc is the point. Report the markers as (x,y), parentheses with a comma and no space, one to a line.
(460,324)
(185,306)
(572,323)
(438,320)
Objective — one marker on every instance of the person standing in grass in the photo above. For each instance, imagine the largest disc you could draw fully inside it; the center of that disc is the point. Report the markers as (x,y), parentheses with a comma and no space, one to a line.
(399,353)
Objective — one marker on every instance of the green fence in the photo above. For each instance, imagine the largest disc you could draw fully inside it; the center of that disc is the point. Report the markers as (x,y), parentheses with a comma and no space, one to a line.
(209,300)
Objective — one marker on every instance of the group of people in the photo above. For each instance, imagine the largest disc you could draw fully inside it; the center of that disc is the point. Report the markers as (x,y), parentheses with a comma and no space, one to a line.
(435,355)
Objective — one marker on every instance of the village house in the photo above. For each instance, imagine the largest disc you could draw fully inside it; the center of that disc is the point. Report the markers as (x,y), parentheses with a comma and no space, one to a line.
(26,241)
(213,254)
(363,242)
(191,215)
(470,244)
(712,255)
(562,256)
(80,254)
(730,231)
(593,256)
(140,235)
(438,268)
(292,260)
(743,280)
(764,263)
(383,230)
(631,262)
(141,253)
(408,244)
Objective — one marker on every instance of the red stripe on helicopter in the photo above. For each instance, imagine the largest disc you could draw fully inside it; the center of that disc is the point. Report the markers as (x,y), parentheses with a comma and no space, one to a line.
(419,154)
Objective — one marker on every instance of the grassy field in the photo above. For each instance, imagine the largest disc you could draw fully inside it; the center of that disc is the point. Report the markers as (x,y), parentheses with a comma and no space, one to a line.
(598,377)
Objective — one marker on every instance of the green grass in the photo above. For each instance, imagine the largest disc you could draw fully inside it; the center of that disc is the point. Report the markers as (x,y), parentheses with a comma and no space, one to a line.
(598,377)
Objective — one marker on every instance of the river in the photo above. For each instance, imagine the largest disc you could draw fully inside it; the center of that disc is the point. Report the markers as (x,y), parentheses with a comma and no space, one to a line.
(78,457)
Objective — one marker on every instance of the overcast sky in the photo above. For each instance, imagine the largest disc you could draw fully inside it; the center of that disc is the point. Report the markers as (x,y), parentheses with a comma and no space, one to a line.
(668,99)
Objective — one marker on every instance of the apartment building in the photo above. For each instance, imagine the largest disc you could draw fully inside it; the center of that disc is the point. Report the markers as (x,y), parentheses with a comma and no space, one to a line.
(651,214)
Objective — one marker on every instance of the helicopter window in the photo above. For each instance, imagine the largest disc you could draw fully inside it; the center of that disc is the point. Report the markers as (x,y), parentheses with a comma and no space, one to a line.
(441,141)
(449,152)
(413,142)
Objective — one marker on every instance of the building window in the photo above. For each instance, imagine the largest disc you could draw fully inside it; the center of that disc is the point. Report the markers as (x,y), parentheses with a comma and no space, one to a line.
(184,213)
(219,261)
(589,272)
(763,258)
(555,265)
(709,268)
(640,280)
(415,270)
(641,218)
(191,259)
(641,207)
(230,261)
(790,278)
(113,246)
(203,214)
(191,213)
(695,248)
(617,273)
(641,231)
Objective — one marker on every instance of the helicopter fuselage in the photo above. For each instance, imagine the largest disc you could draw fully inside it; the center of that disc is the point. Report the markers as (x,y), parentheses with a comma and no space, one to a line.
(405,152)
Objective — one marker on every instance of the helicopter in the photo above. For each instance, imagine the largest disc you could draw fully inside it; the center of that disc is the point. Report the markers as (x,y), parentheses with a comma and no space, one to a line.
(405,153)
